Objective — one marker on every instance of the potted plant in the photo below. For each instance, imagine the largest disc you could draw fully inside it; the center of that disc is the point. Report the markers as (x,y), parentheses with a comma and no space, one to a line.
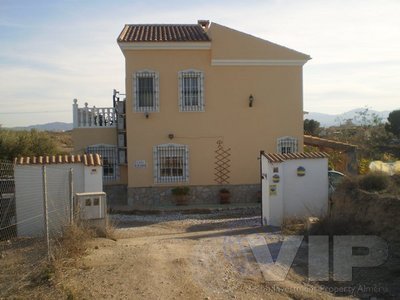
(224,196)
(181,195)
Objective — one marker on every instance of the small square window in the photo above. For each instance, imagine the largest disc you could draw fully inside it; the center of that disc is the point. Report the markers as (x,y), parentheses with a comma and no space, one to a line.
(171,163)
(287,145)
(96,202)
(88,202)
(276,170)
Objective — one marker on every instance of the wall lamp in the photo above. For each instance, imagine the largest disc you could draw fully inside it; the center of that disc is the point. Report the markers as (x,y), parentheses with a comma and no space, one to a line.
(251,99)
(146,114)
(171,136)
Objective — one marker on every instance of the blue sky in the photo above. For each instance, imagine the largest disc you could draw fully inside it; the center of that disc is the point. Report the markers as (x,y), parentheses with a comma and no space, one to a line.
(54,51)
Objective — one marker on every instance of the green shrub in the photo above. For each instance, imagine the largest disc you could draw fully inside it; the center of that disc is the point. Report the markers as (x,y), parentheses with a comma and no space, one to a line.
(374,182)
(180,190)
(25,143)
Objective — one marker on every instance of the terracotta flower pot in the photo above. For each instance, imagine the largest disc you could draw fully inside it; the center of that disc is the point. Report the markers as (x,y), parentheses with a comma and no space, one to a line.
(181,195)
(181,199)
(225,197)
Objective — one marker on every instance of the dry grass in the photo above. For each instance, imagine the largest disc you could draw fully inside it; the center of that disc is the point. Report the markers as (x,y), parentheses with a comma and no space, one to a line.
(294,226)
(73,242)
(358,203)
(73,245)
(111,229)
(26,272)
(375,182)
(337,225)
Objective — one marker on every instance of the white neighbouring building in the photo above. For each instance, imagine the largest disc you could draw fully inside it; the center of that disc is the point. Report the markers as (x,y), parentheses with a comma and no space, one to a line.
(294,185)
(87,176)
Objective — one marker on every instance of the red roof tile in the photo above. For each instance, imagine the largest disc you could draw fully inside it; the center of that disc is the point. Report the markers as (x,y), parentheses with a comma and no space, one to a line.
(86,159)
(163,33)
(317,141)
(277,157)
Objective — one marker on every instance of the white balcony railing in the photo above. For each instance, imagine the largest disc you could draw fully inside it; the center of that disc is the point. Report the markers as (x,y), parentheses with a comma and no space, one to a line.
(93,117)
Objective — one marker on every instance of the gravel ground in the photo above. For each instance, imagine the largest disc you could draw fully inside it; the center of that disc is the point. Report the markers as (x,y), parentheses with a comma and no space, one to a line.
(227,218)
(179,256)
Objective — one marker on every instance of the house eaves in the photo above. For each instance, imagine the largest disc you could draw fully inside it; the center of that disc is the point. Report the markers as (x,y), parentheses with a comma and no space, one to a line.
(86,159)
(278,157)
(163,36)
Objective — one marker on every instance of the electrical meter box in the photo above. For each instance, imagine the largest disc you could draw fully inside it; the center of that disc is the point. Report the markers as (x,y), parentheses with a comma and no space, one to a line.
(91,206)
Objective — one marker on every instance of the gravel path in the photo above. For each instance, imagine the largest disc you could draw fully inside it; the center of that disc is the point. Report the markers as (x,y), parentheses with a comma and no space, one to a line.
(216,219)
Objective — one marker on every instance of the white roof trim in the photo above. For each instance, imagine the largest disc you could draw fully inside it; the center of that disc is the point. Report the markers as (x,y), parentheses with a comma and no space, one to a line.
(165,46)
(258,62)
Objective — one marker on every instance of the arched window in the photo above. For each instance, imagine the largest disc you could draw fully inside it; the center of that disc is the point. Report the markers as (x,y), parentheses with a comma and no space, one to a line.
(287,144)
(171,163)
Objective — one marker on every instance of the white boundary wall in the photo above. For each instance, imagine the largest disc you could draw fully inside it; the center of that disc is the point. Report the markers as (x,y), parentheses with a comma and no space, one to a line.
(29,194)
(295,196)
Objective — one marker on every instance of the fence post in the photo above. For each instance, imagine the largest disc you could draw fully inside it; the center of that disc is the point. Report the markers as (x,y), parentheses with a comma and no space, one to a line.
(46,212)
(71,195)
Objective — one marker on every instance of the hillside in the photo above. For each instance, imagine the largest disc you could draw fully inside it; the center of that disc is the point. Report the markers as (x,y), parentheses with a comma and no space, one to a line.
(327,120)
(53,126)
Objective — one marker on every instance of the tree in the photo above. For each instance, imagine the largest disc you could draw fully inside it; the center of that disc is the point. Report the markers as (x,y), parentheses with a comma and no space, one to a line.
(367,131)
(393,124)
(25,143)
(311,127)
(366,119)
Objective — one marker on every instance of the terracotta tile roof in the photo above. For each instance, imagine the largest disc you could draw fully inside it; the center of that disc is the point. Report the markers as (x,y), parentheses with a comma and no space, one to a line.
(277,157)
(317,141)
(86,159)
(163,33)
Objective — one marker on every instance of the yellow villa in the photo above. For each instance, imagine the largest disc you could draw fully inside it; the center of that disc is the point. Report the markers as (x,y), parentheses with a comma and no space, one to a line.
(202,100)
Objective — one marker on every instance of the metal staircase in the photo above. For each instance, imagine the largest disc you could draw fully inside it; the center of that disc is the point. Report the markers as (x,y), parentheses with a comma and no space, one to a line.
(119,106)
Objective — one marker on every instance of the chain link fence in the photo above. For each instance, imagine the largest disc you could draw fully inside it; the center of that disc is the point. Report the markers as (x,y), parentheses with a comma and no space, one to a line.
(35,208)
(7,201)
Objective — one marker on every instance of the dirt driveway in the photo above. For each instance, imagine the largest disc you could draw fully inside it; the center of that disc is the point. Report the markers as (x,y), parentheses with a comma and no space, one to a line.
(181,257)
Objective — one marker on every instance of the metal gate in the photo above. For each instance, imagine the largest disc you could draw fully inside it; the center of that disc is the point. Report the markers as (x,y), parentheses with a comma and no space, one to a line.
(7,201)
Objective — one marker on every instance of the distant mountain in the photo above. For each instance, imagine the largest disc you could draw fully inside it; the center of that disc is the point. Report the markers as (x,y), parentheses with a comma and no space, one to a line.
(327,120)
(54,126)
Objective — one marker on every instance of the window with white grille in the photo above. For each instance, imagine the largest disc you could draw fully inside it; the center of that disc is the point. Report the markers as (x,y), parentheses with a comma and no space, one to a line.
(287,144)
(146,91)
(191,90)
(109,157)
(171,163)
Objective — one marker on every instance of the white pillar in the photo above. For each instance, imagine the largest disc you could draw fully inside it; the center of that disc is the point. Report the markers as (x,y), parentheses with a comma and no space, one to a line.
(75,113)
(86,122)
